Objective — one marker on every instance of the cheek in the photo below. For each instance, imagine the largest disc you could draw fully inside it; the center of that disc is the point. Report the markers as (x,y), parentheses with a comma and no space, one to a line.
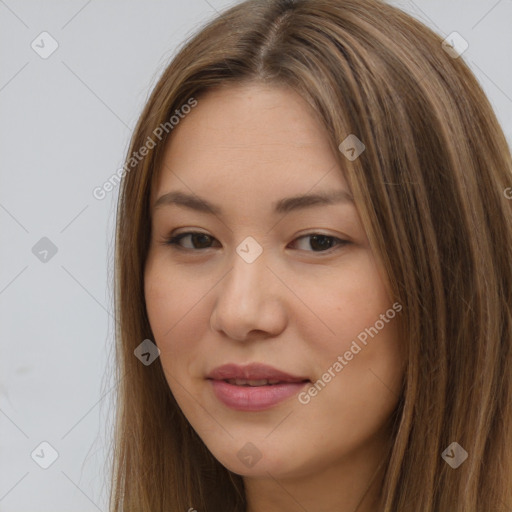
(344,303)
(173,307)
(357,322)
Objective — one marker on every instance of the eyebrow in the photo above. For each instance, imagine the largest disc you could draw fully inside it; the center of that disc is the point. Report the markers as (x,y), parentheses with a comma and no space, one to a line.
(282,206)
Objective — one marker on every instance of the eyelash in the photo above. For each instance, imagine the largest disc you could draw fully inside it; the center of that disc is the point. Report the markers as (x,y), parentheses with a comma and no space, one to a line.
(174,241)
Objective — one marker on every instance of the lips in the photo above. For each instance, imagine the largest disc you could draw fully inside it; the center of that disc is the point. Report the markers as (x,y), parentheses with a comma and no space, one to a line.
(254,387)
(254,374)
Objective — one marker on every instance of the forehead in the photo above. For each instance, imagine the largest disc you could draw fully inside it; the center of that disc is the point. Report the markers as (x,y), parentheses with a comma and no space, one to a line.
(252,139)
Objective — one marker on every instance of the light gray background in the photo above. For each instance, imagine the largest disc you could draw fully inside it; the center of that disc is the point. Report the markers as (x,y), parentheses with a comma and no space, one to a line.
(65,124)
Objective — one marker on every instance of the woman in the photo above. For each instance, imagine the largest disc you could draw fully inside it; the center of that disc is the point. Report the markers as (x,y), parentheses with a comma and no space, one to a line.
(313,268)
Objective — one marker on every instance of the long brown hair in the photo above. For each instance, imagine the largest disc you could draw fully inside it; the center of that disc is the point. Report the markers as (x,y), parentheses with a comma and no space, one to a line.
(430,189)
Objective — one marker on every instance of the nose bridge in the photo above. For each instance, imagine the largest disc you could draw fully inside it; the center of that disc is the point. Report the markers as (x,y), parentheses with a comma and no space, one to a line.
(249,273)
(246,299)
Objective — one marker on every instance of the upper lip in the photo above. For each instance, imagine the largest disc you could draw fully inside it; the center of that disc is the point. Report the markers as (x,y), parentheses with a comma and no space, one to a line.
(253,371)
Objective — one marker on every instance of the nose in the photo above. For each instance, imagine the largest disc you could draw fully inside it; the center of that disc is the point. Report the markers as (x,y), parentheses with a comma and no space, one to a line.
(249,302)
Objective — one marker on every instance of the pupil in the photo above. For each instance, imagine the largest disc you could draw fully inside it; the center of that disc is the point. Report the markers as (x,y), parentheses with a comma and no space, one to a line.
(201,239)
(323,241)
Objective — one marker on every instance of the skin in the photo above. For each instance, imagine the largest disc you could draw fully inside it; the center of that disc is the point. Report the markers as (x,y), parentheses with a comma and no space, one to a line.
(296,307)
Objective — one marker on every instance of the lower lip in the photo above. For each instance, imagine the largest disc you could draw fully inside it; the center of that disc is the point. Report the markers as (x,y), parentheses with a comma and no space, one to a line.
(254,398)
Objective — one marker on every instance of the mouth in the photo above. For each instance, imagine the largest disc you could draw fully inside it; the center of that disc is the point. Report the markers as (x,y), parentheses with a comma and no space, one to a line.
(256,382)
(254,387)
(254,374)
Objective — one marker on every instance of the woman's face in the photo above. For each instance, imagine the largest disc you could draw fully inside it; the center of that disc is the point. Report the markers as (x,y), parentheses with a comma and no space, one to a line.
(257,287)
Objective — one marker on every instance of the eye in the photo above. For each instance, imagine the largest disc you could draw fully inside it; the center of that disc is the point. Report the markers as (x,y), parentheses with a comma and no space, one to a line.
(198,241)
(319,242)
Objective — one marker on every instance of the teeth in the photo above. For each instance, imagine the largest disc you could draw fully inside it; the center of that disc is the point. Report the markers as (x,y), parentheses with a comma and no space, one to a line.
(245,382)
